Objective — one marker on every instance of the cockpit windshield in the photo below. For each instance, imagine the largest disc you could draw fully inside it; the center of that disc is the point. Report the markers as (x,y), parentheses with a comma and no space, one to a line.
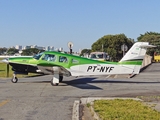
(37,56)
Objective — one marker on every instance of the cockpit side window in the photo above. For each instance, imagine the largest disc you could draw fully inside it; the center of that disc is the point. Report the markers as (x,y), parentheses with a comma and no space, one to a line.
(63,59)
(49,57)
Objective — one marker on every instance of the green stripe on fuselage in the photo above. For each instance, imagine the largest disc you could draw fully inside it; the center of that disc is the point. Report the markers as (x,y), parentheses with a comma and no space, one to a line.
(133,62)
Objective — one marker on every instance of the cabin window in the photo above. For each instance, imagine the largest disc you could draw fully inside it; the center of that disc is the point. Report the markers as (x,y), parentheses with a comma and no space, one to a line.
(49,57)
(63,59)
(75,61)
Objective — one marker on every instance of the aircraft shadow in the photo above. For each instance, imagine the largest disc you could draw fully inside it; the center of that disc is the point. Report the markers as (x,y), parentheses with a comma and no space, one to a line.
(83,83)
(121,81)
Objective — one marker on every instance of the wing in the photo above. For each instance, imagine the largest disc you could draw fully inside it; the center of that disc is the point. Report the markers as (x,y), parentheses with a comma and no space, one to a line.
(50,70)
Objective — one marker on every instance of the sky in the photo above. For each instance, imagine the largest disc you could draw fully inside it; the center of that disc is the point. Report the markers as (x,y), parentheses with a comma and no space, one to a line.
(82,22)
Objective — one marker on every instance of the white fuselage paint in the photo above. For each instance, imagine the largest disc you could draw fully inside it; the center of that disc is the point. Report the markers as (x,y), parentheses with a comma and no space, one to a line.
(136,52)
(103,69)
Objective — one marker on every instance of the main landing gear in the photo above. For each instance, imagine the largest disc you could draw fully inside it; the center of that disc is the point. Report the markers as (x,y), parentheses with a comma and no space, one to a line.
(56,79)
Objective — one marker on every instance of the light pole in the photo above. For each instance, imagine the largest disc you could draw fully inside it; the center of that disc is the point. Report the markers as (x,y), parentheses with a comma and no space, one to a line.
(70,45)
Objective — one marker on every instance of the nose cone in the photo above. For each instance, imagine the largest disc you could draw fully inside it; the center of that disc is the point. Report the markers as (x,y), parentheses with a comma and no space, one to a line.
(6,60)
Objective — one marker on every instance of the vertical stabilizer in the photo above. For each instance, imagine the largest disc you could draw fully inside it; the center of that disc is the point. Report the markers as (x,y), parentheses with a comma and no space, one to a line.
(136,55)
(136,52)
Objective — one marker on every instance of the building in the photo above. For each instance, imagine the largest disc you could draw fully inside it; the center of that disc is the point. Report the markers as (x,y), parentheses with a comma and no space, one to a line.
(18,47)
(49,48)
(26,47)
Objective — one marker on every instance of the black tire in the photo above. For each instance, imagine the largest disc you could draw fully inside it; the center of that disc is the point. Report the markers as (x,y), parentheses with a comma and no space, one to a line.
(14,80)
(54,84)
(60,78)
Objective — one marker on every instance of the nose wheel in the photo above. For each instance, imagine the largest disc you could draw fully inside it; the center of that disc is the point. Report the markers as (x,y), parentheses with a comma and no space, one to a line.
(14,79)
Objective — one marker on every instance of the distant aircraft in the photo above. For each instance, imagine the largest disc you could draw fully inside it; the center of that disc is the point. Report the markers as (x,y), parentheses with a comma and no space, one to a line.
(61,64)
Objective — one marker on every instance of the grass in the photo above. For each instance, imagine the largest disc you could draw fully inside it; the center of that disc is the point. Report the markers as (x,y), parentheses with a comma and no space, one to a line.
(3,72)
(119,109)
(88,105)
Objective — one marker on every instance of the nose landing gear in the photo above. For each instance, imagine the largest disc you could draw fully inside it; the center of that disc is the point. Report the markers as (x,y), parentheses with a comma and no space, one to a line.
(14,79)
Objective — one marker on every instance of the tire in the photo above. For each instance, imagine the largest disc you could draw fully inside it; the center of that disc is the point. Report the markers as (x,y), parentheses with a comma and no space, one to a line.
(14,80)
(60,78)
(54,84)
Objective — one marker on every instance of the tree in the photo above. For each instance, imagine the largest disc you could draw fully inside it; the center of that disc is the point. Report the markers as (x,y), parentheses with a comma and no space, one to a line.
(2,50)
(85,51)
(31,51)
(154,39)
(111,44)
(12,51)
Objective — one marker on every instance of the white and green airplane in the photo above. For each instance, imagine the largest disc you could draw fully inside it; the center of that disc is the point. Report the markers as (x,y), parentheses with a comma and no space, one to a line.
(61,64)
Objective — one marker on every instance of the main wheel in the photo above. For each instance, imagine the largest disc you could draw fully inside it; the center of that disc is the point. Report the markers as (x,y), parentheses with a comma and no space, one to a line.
(14,80)
(54,84)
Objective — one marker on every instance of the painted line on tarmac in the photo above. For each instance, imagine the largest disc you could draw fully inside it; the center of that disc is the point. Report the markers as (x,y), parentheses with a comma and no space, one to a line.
(4,102)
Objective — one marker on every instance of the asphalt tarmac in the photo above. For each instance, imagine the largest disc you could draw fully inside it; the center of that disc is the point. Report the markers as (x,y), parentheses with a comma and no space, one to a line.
(34,98)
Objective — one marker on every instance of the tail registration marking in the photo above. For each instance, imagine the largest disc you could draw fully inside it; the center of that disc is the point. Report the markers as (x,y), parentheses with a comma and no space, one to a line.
(99,69)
